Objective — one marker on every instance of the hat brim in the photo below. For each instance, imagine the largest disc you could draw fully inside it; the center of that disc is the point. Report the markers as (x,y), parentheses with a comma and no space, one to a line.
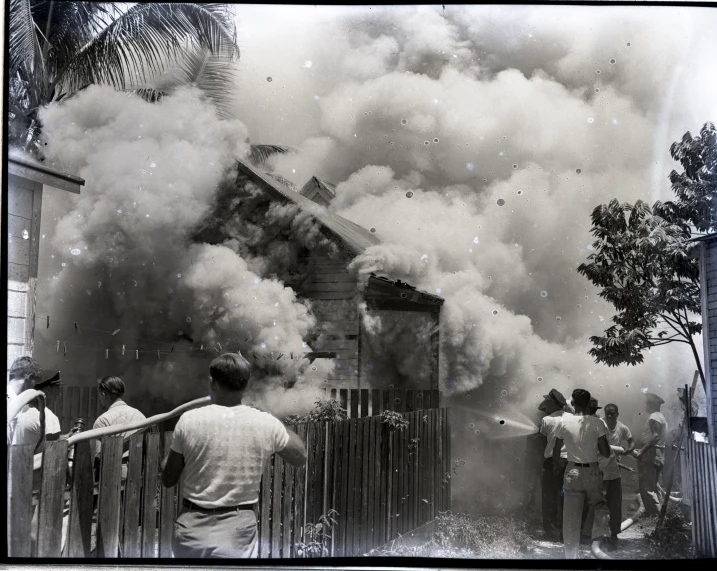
(48,377)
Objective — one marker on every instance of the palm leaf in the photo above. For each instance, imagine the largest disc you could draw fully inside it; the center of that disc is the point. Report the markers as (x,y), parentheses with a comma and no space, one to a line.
(143,40)
(22,38)
(260,154)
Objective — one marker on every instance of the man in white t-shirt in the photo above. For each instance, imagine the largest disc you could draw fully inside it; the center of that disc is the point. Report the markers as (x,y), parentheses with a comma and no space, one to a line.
(220,451)
(585,438)
(552,500)
(621,443)
(651,456)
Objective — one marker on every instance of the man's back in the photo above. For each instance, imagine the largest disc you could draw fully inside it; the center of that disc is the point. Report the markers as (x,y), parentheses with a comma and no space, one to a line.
(580,435)
(548,426)
(661,434)
(225,451)
(27,430)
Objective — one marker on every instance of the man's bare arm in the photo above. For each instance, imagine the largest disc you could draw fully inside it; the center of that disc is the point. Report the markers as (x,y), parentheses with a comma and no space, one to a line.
(294,452)
(630,446)
(172,467)
(603,446)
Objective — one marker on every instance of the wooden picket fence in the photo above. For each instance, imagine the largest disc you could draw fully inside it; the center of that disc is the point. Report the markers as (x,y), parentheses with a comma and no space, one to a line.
(702,462)
(381,481)
(372,402)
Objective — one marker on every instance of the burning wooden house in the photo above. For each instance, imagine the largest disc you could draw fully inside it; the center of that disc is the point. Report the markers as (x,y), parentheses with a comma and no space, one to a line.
(381,333)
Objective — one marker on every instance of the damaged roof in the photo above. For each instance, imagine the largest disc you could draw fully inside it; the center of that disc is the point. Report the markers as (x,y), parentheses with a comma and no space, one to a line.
(355,238)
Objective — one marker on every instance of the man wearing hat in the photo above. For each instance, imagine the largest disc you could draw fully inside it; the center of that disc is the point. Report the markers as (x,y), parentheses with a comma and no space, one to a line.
(553,406)
(651,457)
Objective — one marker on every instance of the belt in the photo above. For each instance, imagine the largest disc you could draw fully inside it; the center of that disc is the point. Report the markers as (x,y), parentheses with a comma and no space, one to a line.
(192,506)
(590,465)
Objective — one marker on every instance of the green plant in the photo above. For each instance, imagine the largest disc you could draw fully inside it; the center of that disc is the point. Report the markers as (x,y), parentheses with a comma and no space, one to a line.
(673,540)
(317,535)
(324,410)
(394,420)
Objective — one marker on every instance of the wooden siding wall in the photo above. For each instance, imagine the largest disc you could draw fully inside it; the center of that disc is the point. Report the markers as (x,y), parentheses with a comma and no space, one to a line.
(24,207)
(332,291)
(708,282)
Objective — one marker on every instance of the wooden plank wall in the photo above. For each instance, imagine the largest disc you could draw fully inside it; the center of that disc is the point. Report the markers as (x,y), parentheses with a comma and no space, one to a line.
(380,481)
(360,403)
(71,403)
(332,291)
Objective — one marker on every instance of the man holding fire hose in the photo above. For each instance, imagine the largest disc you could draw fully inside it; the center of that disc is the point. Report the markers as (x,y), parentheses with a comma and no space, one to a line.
(220,451)
(585,439)
(651,457)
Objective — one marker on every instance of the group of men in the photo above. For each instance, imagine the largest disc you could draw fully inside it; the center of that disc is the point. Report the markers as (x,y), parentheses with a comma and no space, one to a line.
(219,451)
(581,462)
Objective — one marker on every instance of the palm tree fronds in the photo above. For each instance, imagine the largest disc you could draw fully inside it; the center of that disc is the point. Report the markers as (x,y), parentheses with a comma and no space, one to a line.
(146,38)
(22,38)
(260,154)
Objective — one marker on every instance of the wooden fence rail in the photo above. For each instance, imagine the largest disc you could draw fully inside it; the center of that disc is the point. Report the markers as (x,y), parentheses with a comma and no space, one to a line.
(382,481)
(70,403)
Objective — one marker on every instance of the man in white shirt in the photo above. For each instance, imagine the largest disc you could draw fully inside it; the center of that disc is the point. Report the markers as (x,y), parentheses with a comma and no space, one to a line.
(651,457)
(552,500)
(220,451)
(585,438)
(621,443)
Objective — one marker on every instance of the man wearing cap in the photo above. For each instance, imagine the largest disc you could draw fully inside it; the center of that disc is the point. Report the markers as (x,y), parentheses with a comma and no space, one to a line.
(26,428)
(552,500)
(621,444)
(585,439)
(651,457)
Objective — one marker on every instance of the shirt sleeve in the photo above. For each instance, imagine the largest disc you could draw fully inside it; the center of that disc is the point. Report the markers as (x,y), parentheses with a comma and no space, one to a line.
(558,432)
(601,428)
(626,434)
(27,430)
(281,435)
(543,427)
(178,437)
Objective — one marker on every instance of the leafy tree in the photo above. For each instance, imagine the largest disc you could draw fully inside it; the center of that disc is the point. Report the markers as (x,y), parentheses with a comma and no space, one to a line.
(58,48)
(645,263)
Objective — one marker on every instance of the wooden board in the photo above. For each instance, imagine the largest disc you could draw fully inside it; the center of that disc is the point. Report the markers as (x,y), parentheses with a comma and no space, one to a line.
(376,405)
(167,510)
(365,462)
(276,507)
(265,510)
(350,482)
(363,402)
(81,503)
(287,507)
(108,506)
(353,413)
(356,489)
(299,494)
(149,494)
(344,399)
(20,499)
(131,538)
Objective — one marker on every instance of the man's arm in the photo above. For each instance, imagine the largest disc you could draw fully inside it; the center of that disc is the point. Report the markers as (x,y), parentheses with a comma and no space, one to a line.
(557,447)
(655,428)
(172,467)
(294,452)
(603,446)
(630,446)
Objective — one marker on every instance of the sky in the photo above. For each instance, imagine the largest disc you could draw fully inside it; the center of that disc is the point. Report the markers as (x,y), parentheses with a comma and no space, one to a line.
(475,140)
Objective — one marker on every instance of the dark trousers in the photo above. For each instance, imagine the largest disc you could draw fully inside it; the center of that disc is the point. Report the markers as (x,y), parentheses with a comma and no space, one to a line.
(553,498)
(613,495)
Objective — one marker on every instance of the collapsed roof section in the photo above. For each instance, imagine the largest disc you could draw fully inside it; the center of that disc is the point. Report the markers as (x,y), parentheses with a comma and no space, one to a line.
(381,292)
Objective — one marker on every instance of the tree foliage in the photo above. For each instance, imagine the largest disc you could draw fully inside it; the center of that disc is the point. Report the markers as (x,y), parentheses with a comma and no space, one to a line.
(58,48)
(646,264)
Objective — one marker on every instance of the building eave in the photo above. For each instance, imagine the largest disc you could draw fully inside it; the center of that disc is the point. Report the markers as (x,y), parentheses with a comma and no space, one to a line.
(26,168)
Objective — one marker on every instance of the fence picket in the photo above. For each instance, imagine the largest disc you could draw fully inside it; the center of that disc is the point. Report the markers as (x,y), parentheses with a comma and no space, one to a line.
(91,408)
(371,495)
(108,504)
(149,494)
(52,491)
(333,449)
(344,399)
(286,528)
(265,510)
(79,529)
(167,509)
(363,400)
(376,407)
(131,538)
(299,496)
(276,507)
(365,462)
(354,404)
(344,488)
(20,508)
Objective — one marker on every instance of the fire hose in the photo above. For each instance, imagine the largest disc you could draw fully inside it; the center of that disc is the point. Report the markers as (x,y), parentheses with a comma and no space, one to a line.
(138,424)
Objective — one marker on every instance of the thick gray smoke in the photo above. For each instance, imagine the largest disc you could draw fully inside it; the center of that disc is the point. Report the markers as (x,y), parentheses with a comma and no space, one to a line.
(125,258)
(476,141)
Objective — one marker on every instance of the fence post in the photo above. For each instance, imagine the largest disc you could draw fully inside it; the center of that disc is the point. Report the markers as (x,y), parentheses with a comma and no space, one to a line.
(20,509)
(149,494)
(131,538)
(167,509)
(52,492)
(81,503)
(108,505)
